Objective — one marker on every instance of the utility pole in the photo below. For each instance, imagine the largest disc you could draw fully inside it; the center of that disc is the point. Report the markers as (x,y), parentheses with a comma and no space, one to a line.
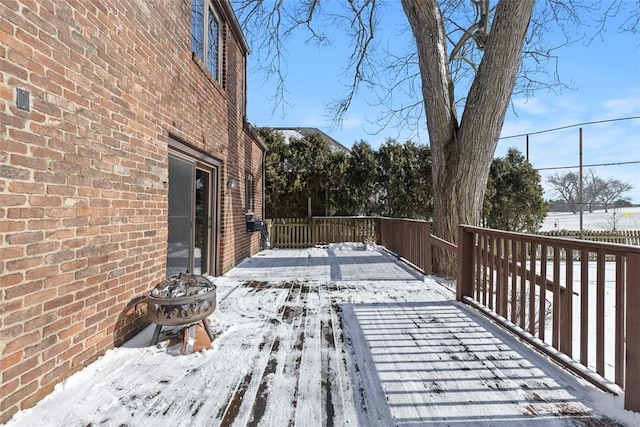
(580,197)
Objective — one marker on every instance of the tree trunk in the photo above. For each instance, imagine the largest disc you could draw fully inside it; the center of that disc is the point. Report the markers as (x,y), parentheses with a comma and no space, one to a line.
(462,152)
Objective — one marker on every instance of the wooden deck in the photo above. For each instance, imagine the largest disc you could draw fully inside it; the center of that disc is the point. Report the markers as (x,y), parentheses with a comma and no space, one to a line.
(331,337)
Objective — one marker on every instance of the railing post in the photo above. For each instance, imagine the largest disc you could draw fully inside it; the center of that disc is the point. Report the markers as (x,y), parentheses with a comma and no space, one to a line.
(632,371)
(428,261)
(464,285)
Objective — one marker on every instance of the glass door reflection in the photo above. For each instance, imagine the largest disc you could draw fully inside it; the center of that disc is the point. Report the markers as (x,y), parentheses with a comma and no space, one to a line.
(202,222)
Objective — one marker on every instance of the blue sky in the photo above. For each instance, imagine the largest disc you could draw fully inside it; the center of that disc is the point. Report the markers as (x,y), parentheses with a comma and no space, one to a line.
(604,73)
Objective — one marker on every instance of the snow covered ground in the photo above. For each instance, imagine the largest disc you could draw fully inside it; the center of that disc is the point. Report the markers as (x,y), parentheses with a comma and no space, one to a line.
(599,220)
(624,218)
(330,337)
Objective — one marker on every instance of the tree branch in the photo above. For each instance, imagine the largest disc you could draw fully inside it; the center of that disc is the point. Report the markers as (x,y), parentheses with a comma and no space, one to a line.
(269,24)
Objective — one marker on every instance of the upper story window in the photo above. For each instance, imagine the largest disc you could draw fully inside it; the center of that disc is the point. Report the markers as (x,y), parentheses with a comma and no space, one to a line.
(206,35)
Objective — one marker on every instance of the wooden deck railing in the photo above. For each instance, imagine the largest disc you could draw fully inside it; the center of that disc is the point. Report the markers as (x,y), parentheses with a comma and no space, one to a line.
(579,307)
(408,239)
(334,229)
(572,299)
(624,237)
(289,233)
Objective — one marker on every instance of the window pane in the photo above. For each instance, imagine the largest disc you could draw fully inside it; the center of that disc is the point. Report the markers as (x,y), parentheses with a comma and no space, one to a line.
(202,222)
(212,44)
(197,27)
(180,201)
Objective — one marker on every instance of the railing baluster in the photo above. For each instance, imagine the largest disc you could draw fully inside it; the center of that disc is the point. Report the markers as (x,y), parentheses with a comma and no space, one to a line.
(542,310)
(523,284)
(499,278)
(479,266)
(556,319)
(492,269)
(532,289)
(600,283)
(584,308)
(514,280)
(485,265)
(566,329)
(504,282)
(620,317)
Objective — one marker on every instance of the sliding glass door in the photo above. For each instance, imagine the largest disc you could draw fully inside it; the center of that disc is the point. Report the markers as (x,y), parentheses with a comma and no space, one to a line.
(202,222)
(191,240)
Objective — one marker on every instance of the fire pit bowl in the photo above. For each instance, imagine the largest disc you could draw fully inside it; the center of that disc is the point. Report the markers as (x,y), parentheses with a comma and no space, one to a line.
(181,300)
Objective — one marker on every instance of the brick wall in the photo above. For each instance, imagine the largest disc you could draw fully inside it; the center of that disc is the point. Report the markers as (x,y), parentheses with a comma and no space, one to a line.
(83,174)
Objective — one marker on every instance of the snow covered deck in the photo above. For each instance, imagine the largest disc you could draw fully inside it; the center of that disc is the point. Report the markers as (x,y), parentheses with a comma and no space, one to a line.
(330,337)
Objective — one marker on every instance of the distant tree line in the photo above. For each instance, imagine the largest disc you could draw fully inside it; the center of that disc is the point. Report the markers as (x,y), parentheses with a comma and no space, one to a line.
(597,193)
(304,177)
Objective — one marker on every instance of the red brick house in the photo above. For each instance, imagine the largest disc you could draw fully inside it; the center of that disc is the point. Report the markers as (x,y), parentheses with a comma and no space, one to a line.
(125,156)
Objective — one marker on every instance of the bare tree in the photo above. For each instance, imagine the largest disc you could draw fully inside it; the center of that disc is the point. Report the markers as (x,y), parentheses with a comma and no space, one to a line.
(594,186)
(612,191)
(567,187)
(614,219)
(468,57)
(596,191)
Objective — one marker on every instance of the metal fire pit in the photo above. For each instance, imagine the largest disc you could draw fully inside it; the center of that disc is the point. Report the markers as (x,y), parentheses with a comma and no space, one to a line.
(183,299)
